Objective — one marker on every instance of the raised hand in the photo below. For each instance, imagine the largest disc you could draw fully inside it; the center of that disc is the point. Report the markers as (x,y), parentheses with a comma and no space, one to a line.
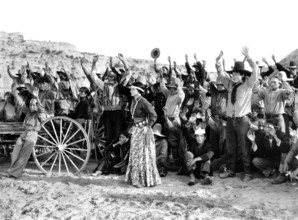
(120,56)
(273,58)
(95,58)
(186,57)
(195,56)
(264,60)
(245,52)
(219,56)
(169,59)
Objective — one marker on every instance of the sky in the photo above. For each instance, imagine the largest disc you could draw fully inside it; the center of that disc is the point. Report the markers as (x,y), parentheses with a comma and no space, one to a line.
(176,27)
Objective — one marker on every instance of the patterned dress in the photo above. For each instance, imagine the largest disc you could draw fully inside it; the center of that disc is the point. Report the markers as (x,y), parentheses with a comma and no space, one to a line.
(142,169)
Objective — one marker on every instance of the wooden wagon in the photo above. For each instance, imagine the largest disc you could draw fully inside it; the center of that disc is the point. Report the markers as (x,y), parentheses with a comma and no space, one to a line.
(64,145)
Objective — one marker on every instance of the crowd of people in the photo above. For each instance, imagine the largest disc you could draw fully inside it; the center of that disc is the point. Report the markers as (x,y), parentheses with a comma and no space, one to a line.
(172,119)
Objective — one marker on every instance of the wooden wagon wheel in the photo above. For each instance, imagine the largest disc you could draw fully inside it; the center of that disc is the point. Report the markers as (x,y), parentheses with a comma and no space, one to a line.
(63,145)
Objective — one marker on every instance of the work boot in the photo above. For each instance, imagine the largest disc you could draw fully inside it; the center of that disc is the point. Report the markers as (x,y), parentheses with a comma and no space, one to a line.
(207,180)
(281,178)
(163,172)
(192,180)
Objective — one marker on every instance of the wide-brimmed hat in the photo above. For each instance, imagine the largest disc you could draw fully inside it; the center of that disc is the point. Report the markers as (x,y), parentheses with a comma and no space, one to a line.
(62,74)
(139,86)
(239,67)
(292,65)
(283,76)
(142,79)
(45,79)
(175,82)
(155,53)
(157,130)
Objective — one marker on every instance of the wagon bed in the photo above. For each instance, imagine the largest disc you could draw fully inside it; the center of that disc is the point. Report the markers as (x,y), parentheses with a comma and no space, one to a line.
(14,128)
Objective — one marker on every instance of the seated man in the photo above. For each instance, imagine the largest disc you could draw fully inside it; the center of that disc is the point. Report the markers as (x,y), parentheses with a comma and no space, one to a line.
(198,158)
(161,150)
(269,146)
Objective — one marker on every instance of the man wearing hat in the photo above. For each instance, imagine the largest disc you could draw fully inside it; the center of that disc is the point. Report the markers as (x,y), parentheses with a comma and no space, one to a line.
(161,145)
(239,83)
(219,98)
(111,100)
(175,97)
(46,95)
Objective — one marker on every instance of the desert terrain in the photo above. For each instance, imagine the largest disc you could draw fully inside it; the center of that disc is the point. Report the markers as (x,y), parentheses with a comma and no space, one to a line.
(35,196)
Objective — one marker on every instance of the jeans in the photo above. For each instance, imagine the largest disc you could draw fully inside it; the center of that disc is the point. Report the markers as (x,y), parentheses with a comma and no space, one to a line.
(21,152)
(217,139)
(236,140)
(278,121)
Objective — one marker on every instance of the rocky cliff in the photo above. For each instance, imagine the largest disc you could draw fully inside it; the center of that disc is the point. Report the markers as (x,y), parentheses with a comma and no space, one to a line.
(15,51)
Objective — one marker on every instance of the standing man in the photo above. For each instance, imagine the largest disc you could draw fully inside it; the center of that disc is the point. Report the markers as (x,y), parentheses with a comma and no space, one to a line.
(239,84)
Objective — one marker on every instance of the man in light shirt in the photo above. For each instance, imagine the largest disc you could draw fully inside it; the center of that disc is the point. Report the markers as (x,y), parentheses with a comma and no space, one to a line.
(239,84)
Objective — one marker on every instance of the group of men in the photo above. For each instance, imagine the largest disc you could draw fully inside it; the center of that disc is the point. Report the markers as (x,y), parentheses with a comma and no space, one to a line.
(242,121)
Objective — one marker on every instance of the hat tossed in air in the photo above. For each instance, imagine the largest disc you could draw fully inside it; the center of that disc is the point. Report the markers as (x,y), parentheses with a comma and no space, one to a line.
(157,130)
(239,67)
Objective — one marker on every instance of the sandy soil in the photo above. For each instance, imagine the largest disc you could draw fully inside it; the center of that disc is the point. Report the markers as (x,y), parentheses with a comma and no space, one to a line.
(35,196)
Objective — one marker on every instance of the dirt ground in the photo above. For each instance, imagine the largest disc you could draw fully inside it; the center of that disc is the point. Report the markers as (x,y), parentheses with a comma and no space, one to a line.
(35,196)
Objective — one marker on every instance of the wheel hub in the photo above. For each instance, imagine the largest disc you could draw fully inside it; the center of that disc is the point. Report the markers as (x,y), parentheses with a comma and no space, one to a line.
(61,147)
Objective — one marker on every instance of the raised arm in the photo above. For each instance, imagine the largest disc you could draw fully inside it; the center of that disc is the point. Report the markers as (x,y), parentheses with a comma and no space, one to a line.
(255,69)
(9,73)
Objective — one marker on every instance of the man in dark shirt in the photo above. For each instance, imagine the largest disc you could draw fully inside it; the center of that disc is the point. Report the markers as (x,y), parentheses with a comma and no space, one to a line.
(198,158)
(270,147)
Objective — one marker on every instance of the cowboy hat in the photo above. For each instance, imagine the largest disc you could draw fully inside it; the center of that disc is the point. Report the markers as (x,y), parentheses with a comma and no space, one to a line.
(157,130)
(239,67)
(155,53)
(45,79)
(292,65)
(139,86)
(62,75)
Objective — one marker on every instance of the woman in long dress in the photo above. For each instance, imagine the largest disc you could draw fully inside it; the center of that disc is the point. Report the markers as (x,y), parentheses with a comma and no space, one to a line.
(142,169)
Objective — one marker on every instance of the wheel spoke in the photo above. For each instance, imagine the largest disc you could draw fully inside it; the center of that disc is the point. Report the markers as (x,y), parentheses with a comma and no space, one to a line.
(65,163)
(74,155)
(54,130)
(48,159)
(71,136)
(67,132)
(43,153)
(61,130)
(76,142)
(49,134)
(71,161)
(77,149)
(54,162)
(47,140)
(46,146)
(59,153)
